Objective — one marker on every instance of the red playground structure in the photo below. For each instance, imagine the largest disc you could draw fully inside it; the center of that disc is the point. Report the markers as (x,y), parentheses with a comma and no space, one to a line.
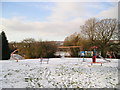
(94,55)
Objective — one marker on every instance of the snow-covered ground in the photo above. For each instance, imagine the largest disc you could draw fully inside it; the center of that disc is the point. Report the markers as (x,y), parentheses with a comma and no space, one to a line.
(58,73)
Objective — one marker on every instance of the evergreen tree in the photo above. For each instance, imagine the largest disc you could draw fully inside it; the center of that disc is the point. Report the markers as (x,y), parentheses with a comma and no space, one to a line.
(5,47)
(0,47)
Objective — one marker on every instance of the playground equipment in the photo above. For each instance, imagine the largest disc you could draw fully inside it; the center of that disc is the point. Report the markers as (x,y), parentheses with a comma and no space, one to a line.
(94,56)
(15,56)
(44,60)
(82,53)
(94,53)
(104,58)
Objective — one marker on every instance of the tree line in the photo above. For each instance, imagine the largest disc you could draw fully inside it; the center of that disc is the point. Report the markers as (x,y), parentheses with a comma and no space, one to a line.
(94,32)
(30,48)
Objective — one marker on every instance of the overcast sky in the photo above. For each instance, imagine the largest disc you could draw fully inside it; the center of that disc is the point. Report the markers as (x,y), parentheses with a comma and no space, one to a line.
(50,20)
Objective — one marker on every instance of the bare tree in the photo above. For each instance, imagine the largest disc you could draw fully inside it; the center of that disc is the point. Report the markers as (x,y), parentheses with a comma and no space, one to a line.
(104,32)
(27,47)
(99,32)
(105,29)
(89,29)
(72,40)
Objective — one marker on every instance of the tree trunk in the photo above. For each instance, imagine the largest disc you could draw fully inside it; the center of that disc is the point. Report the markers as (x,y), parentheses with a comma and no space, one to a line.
(103,52)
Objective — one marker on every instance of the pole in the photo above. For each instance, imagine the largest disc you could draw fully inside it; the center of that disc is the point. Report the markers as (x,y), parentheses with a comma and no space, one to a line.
(83,58)
(94,55)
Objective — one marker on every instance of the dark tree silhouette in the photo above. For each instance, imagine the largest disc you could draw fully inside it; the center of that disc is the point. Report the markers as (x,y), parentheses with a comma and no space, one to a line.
(5,47)
(0,47)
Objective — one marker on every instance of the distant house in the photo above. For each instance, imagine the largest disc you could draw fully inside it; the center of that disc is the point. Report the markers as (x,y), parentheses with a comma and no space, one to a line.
(62,54)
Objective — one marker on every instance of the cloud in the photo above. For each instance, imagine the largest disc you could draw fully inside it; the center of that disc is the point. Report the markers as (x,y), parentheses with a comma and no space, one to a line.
(18,29)
(65,19)
(111,12)
(64,10)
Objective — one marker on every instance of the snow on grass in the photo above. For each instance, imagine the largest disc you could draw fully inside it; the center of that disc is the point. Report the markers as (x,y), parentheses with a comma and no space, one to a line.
(59,73)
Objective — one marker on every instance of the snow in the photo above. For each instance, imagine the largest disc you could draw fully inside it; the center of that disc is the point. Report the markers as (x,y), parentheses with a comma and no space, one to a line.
(58,73)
